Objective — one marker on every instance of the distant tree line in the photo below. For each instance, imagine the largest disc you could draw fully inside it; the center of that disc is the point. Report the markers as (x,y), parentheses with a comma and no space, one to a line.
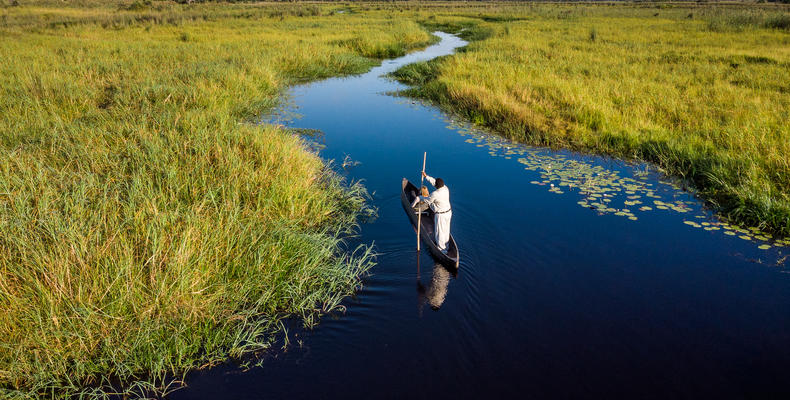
(524,1)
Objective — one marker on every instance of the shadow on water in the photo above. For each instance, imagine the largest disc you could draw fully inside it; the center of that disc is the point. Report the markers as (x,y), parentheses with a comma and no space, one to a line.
(580,276)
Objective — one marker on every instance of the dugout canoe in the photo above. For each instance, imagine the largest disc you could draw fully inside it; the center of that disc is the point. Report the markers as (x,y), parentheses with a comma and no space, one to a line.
(427,227)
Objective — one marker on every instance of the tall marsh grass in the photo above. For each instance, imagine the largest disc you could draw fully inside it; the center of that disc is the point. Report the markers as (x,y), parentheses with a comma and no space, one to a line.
(636,81)
(724,20)
(146,228)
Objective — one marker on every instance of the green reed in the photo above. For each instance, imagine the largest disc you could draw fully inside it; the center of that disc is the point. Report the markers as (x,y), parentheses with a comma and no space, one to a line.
(147,227)
(644,81)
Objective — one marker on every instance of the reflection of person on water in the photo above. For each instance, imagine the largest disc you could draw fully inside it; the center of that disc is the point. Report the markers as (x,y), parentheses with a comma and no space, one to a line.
(436,291)
(418,204)
(439,201)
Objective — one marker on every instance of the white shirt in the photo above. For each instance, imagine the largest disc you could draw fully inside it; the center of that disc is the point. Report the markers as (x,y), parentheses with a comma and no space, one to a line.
(439,198)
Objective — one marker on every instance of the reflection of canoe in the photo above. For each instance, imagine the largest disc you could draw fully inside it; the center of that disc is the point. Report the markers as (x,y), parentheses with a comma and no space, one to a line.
(436,292)
(407,195)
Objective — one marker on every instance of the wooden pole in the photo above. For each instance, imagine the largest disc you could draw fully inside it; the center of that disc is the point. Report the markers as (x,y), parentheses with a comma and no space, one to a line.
(419,212)
(418,268)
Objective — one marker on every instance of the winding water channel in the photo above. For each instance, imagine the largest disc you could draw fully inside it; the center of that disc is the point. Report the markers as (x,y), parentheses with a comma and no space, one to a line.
(613,282)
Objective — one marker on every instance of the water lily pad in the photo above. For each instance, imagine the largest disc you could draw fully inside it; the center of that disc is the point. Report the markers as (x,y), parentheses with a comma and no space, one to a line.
(764,247)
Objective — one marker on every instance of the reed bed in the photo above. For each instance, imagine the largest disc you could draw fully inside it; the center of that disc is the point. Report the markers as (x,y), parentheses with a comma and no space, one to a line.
(700,90)
(147,227)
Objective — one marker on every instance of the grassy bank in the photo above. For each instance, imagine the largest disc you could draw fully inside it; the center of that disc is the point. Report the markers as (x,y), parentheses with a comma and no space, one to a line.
(700,90)
(146,230)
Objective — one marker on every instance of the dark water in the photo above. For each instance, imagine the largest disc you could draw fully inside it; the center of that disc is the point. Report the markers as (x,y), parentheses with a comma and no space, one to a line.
(553,299)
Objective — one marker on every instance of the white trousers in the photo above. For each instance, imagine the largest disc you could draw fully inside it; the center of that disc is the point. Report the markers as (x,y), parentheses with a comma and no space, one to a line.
(442,224)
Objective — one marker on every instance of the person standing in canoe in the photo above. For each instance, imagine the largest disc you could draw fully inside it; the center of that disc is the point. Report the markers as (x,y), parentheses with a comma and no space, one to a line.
(439,202)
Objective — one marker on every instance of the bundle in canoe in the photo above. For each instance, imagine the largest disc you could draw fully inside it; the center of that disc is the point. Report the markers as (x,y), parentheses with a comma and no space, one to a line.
(407,196)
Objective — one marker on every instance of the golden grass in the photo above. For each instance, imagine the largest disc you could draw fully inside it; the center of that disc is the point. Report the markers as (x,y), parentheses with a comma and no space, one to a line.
(701,91)
(146,228)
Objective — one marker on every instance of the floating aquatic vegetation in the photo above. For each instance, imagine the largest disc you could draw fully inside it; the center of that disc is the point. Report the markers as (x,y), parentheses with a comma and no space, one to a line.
(307,132)
(605,190)
(285,114)
(314,139)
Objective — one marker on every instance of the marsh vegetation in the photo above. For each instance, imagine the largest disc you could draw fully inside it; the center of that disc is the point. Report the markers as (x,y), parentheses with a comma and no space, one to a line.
(701,91)
(148,228)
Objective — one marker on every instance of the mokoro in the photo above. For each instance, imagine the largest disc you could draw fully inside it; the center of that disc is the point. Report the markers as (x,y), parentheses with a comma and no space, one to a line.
(407,195)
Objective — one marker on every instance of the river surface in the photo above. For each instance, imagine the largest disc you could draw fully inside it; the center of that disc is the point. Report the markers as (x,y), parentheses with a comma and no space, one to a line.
(612,283)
